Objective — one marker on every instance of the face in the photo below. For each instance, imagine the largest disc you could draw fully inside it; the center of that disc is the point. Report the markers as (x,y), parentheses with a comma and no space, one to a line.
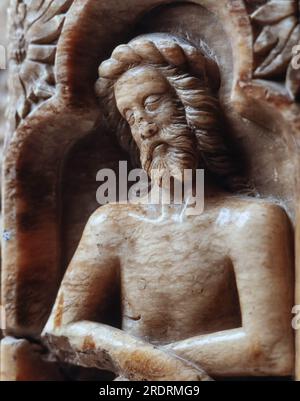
(147,102)
(144,100)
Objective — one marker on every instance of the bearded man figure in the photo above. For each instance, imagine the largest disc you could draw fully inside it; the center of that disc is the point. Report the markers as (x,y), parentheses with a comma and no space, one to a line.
(204,295)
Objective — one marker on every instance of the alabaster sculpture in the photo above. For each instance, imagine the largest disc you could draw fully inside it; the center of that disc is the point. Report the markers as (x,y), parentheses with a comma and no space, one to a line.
(189,286)
(141,290)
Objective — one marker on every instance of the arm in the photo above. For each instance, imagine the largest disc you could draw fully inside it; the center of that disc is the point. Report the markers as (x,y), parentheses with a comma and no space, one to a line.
(262,258)
(72,332)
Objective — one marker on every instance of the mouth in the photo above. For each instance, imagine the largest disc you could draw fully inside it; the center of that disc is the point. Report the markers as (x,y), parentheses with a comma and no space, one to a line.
(158,148)
(156,145)
(154,150)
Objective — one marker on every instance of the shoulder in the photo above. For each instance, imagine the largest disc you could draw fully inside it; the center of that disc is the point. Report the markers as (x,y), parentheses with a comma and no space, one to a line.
(254,207)
(254,223)
(261,237)
(260,210)
(112,216)
(240,215)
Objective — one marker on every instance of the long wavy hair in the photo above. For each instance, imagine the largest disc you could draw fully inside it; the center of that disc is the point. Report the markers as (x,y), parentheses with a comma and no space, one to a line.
(195,79)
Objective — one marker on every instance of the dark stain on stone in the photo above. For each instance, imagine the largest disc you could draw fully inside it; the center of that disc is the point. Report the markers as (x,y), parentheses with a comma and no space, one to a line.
(36,190)
(88,344)
(59,311)
(36,185)
(35,295)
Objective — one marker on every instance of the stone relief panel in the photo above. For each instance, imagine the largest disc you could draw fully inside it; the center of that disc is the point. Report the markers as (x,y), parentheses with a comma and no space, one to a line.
(158,92)
(63,129)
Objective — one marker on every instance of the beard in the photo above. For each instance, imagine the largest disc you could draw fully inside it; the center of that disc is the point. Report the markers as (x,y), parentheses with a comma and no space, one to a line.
(170,156)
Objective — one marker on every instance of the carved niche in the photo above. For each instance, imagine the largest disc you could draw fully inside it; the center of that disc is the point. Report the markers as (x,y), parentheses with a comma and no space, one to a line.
(58,138)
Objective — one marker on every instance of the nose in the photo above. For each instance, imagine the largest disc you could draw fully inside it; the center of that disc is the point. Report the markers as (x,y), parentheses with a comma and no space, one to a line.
(145,126)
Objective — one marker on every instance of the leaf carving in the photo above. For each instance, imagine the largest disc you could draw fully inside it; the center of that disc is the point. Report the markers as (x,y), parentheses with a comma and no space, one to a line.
(274,11)
(36,28)
(280,32)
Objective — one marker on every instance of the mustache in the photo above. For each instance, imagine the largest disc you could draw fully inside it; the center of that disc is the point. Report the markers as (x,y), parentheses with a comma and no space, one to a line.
(177,150)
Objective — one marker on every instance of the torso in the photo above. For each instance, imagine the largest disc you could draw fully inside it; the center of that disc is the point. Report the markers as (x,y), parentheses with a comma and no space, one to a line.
(177,278)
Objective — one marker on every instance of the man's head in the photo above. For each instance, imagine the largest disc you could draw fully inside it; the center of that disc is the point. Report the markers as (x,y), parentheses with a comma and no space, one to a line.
(157,122)
(157,95)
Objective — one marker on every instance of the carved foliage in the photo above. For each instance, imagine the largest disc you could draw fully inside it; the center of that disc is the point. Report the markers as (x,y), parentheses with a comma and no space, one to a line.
(279,33)
(36,26)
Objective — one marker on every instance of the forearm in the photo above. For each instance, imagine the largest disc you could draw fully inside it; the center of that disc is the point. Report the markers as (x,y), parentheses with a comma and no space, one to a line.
(97,345)
(225,353)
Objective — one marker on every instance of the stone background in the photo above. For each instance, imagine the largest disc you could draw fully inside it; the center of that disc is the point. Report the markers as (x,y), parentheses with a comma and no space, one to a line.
(3,79)
(3,86)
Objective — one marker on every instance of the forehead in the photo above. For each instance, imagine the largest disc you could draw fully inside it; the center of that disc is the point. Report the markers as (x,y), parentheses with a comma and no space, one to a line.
(138,83)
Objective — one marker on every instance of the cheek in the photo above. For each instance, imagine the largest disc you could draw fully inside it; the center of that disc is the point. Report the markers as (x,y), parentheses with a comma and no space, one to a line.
(165,114)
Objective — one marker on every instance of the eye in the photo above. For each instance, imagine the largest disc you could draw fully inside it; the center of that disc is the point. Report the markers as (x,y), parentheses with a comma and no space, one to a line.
(129,116)
(152,102)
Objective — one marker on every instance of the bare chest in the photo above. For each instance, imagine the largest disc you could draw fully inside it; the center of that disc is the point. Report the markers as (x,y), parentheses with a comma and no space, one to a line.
(174,281)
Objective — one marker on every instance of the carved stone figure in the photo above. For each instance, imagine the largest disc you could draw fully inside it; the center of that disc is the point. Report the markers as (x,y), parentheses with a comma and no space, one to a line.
(196,291)
(151,291)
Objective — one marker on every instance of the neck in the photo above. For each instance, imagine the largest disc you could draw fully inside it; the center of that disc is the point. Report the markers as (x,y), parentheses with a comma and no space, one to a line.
(169,196)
